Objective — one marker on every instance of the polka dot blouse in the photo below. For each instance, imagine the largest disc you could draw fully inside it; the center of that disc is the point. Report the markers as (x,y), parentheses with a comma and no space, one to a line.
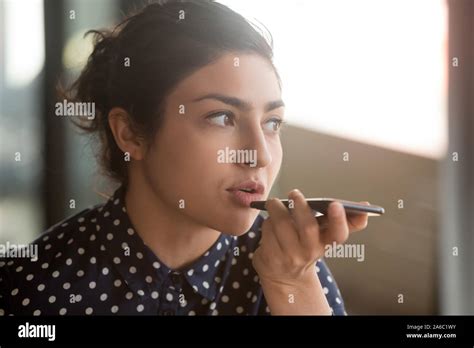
(94,263)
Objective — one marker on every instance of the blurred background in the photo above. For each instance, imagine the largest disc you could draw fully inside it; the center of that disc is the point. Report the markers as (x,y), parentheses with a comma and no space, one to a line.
(380,104)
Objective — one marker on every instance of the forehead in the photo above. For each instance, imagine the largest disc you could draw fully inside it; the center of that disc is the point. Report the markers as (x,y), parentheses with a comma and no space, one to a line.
(247,76)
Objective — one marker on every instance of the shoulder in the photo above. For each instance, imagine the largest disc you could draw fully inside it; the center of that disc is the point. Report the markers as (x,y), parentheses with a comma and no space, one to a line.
(37,266)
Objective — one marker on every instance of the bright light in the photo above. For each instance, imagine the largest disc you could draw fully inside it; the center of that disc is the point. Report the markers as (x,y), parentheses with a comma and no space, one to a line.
(368,70)
(24,41)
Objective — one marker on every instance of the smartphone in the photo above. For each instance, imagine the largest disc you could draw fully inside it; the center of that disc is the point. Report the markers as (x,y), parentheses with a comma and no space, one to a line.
(321,205)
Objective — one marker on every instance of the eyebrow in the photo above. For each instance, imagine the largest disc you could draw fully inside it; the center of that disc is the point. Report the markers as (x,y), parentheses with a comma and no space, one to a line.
(239,103)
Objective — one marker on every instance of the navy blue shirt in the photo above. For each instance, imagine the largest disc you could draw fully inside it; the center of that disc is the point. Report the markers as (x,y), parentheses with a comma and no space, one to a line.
(95,263)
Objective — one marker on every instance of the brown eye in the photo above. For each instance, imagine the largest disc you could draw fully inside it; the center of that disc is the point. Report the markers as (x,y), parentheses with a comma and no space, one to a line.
(275,124)
(222,119)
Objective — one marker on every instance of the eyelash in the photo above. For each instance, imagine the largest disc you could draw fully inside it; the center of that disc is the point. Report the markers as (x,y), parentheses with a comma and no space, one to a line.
(279,121)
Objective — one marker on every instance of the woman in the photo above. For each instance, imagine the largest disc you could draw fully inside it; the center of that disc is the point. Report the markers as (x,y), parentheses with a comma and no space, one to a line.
(173,86)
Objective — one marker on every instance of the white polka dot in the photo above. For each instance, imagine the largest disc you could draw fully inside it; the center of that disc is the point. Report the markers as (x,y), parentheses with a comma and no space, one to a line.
(329,278)
(190,272)
(116,222)
(66,286)
(62,311)
(93,260)
(252,234)
(154,295)
(250,256)
(105,271)
(212,305)
(132,269)
(80,251)
(195,288)
(97,228)
(61,235)
(82,228)
(249,294)
(41,287)
(103,297)
(219,246)
(14,292)
(205,268)
(234,261)
(80,273)
(156,265)
(117,260)
(191,313)
(25,302)
(78,298)
(338,300)
(235,285)
(215,312)
(114,309)
(45,238)
(129,295)
(245,271)
(130,231)
(148,279)
(204,301)
(92,237)
(169,297)
(44,265)
(70,241)
(29,277)
(106,214)
(55,274)
(81,219)
(110,236)
(37,312)
(254,298)
(140,308)
(117,283)
(140,292)
(317,269)
(216,263)
(69,262)
(139,255)
(326,290)
(92,285)
(225,298)
(58,255)
(217,279)
(89,310)
(239,309)
(52,299)
(205,284)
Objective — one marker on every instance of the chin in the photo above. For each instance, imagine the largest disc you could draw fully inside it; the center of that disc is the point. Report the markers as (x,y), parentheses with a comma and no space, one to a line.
(238,226)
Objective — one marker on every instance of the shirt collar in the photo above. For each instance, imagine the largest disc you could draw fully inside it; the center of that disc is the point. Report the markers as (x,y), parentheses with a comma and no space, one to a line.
(140,267)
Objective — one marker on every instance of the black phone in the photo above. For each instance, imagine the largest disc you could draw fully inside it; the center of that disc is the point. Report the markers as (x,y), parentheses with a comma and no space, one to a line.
(321,205)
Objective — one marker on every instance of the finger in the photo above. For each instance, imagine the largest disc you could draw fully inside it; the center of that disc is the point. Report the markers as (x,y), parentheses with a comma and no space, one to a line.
(284,228)
(358,222)
(268,239)
(338,230)
(303,215)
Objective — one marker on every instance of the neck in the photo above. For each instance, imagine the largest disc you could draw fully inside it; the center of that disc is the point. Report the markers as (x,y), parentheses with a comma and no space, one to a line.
(174,238)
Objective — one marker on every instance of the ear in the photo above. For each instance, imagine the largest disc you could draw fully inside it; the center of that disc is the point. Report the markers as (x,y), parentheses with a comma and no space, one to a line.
(125,137)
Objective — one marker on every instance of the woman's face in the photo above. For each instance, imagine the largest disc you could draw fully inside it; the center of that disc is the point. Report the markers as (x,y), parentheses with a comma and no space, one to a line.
(232,104)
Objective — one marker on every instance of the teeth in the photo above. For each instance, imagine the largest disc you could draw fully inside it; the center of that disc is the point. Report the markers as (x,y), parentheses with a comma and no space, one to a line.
(247,190)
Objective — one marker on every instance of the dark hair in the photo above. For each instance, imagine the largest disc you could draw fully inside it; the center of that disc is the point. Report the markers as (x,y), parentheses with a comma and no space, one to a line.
(161,48)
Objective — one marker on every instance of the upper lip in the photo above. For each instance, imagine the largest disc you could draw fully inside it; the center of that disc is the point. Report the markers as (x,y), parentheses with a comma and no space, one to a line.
(254,185)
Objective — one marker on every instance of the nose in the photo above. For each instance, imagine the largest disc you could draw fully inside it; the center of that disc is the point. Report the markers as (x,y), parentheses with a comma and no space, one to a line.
(254,140)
